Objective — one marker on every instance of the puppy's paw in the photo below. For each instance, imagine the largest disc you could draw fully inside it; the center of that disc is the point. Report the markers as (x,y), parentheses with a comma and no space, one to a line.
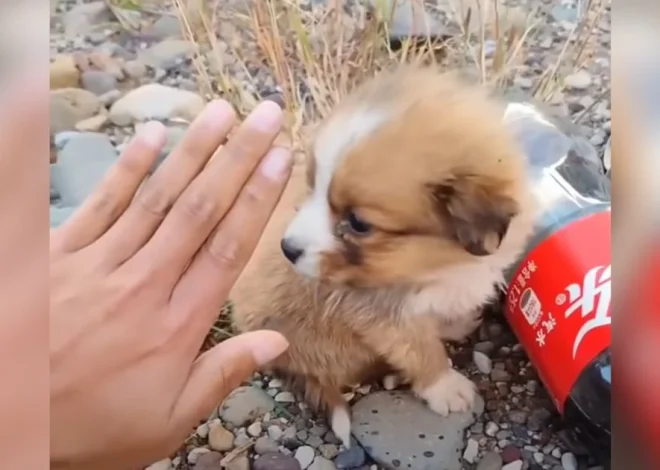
(392,381)
(452,391)
(460,329)
(340,423)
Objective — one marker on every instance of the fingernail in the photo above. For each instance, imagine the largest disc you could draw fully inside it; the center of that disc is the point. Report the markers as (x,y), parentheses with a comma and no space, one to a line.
(218,110)
(153,134)
(276,163)
(270,346)
(276,98)
(267,117)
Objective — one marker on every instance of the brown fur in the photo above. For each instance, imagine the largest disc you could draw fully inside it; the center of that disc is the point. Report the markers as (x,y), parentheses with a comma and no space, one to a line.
(443,186)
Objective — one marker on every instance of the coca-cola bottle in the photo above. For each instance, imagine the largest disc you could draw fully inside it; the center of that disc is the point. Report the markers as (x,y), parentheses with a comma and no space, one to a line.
(558,294)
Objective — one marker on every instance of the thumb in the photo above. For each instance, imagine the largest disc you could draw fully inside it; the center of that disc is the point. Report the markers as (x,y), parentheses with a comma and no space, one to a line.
(221,369)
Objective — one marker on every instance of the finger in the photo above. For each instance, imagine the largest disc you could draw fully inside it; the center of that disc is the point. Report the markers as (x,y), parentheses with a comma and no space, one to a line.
(205,202)
(113,194)
(209,278)
(221,369)
(158,195)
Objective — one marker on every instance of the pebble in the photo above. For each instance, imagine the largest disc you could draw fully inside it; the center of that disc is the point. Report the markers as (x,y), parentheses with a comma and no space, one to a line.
(318,430)
(321,463)
(491,429)
(244,405)
(395,425)
(265,444)
(240,462)
(471,451)
(580,80)
(203,430)
(64,73)
(220,439)
(556,453)
(490,461)
(167,54)
(166,27)
(515,465)
(165,464)
(93,124)
(486,347)
(518,416)
(483,362)
(255,429)
(305,456)
(350,458)
(98,82)
(275,383)
(569,462)
(241,438)
(314,441)
(538,457)
(275,432)
(83,18)
(195,454)
(500,375)
(276,461)
(68,106)
(285,397)
(328,451)
(208,461)
(135,69)
(155,101)
(511,453)
(539,419)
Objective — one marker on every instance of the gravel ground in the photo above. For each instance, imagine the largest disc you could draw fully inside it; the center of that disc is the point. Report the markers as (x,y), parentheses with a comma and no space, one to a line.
(106,81)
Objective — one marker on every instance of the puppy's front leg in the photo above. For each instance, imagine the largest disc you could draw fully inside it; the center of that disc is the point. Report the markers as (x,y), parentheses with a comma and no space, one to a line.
(414,347)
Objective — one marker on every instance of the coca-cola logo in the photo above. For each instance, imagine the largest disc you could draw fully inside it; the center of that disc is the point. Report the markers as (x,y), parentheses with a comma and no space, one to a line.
(592,297)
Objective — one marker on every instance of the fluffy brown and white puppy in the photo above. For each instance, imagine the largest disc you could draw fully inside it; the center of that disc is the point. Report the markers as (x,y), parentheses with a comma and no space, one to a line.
(416,202)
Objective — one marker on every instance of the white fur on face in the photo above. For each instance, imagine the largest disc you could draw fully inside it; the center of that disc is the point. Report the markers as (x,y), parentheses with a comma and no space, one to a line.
(312,228)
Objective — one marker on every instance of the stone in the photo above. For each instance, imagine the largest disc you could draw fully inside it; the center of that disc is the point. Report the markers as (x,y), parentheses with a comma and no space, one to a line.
(321,463)
(155,101)
(500,375)
(85,18)
(135,69)
(471,451)
(407,19)
(275,383)
(539,419)
(305,456)
(486,347)
(515,465)
(328,451)
(220,439)
(81,165)
(93,124)
(255,429)
(397,429)
(109,98)
(511,453)
(208,461)
(538,457)
(491,429)
(569,462)
(166,27)
(483,362)
(314,441)
(518,416)
(523,82)
(490,461)
(241,438)
(167,54)
(580,80)
(69,106)
(203,430)
(276,461)
(195,454)
(275,432)
(165,464)
(98,82)
(285,397)
(265,444)
(64,73)
(240,462)
(350,458)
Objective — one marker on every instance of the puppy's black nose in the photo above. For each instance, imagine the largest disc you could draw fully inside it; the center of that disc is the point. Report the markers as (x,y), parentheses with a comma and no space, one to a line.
(290,250)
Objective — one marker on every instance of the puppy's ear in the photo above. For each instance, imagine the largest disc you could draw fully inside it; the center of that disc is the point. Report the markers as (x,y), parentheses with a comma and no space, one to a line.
(477,211)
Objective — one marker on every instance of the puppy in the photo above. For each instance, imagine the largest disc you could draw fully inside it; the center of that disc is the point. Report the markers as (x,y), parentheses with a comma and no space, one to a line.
(415,203)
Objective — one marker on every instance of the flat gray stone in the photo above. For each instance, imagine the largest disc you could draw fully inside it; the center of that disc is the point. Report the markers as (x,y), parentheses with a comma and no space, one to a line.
(80,166)
(167,54)
(490,461)
(400,432)
(85,18)
(244,405)
(98,82)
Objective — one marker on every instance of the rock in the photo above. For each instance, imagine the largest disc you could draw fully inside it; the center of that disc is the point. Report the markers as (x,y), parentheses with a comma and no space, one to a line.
(64,73)
(471,451)
(518,416)
(538,457)
(396,429)
(84,18)
(255,429)
(328,451)
(241,462)
(321,463)
(483,362)
(539,419)
(409,20)
(580,80)
(515,465)
(486,347)
(569,462)
(564,13)
(98,82)
(93,124)
(523,82)
(305,456)
(490,461)
(500,375)
(275,432)
(165,464)
(276,461)
(135,69)
(314,441)
(203,430)
(166,27)
(285,397)
(350,458)
(155,101)
(220,439)
(81,165)
(275,383)
(511,453)
(69,106)
(109,98)
(167,54)
(208,461)
(491,429)
(195,454)
(264,445)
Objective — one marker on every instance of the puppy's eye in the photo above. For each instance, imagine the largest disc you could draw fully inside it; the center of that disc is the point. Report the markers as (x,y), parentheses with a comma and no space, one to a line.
(357,225)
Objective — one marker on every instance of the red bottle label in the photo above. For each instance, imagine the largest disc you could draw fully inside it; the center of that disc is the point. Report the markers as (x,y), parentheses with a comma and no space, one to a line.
(558,302)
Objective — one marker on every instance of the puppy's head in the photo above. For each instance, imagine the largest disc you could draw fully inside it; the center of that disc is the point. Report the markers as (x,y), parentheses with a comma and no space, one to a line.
(413,173)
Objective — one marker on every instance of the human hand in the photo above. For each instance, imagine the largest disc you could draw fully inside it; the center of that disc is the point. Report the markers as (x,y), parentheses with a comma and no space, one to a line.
(136,283)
